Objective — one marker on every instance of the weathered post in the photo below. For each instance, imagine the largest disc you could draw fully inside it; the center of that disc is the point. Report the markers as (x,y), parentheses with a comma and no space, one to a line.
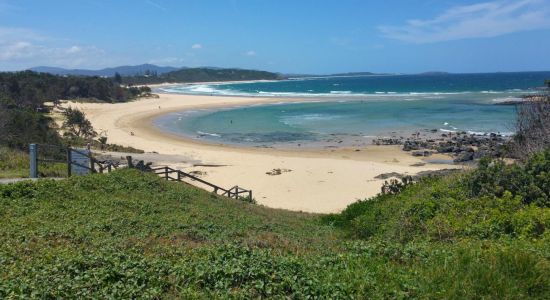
(130,163)
(250,195)
(33,158)
(69,161)
(92,164)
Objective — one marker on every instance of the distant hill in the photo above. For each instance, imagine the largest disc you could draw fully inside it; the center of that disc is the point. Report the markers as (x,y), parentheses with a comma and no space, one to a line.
(108,72)
(203,75)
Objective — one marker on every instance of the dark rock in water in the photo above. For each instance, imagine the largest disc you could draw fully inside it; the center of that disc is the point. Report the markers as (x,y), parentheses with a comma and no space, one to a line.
(464,156)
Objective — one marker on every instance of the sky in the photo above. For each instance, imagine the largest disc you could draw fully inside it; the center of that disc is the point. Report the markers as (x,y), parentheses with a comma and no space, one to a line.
(287,36)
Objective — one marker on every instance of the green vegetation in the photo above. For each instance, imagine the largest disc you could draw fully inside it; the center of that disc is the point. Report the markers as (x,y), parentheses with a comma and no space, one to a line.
(23,96)
(127,234)
(76,124)
(201,75)
(15,164)
(30,90)
(532,125)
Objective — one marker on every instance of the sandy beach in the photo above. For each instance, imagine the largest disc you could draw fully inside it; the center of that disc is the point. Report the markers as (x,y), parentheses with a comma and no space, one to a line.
(319,181)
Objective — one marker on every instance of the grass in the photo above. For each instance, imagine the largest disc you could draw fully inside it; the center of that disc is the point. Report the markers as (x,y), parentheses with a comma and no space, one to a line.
(132,235)
(15,164)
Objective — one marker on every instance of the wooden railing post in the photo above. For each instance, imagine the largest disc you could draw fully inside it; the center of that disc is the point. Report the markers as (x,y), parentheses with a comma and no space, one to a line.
(164,172)
(92,164)
(129,161)
(69,161)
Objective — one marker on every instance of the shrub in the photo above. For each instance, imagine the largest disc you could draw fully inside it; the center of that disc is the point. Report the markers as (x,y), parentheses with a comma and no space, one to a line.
(530,181)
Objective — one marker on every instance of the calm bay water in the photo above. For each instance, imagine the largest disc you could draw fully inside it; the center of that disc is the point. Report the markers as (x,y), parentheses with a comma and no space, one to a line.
(358,107)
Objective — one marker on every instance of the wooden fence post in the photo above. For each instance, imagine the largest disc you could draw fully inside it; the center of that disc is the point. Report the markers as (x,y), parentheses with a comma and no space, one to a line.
(130,163)
(69,161)
(92,164)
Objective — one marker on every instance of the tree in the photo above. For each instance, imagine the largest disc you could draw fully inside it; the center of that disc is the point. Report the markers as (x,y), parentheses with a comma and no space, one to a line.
(77,124)
(532,125)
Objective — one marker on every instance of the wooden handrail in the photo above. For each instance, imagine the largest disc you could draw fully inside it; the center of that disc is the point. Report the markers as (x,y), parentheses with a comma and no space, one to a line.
(165,171)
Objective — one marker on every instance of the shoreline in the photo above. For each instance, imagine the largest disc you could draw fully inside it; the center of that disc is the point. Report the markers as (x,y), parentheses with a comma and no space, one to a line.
(317,180)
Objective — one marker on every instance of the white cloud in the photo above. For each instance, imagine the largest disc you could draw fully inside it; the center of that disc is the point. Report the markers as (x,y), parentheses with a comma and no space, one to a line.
(486,19)
(250,53)
(196,46)
(22,48)
(74,49)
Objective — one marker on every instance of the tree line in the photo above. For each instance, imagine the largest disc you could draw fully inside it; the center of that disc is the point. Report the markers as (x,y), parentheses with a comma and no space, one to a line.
(23,95)
(201,75)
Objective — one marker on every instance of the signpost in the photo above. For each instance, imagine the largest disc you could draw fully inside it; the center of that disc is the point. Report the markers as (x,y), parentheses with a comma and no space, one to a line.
(80,161)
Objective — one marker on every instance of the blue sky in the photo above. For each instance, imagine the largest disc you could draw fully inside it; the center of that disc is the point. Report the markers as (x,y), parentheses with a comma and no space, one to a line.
(296,36)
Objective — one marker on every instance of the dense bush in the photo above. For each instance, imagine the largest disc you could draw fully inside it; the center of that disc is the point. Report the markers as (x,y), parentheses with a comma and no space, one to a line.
(22,126)
(529,181)
(496,200)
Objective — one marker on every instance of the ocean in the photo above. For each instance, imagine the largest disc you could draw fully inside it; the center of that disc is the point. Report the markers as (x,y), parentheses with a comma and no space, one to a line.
(353,110)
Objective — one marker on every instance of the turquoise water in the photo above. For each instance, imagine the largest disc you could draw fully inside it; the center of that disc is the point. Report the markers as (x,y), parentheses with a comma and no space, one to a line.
(361,107)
